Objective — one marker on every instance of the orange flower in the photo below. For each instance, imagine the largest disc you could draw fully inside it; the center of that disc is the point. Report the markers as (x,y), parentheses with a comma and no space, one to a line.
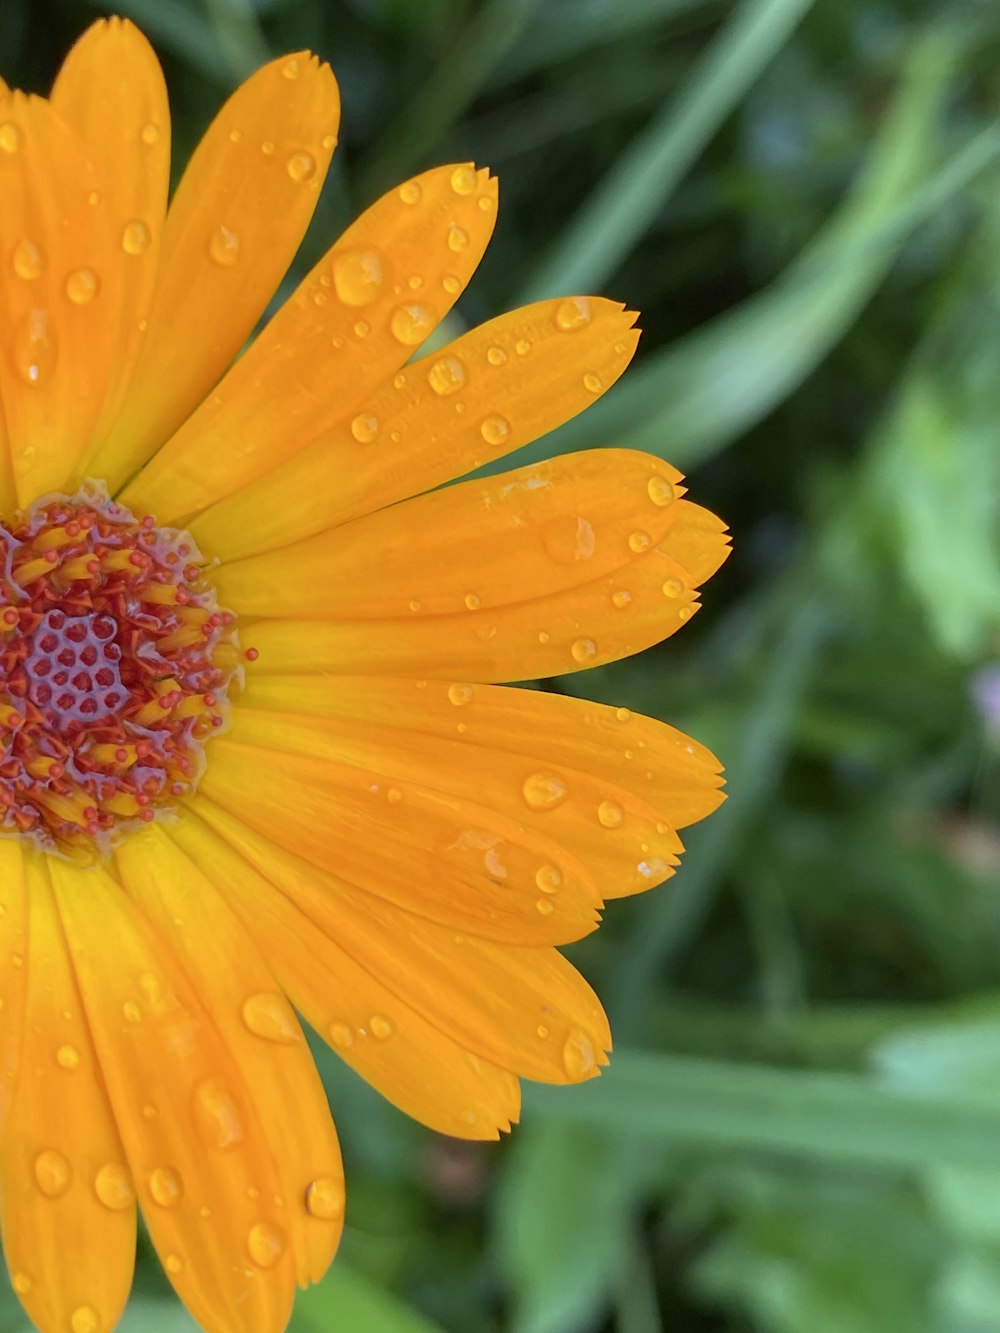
(381,837)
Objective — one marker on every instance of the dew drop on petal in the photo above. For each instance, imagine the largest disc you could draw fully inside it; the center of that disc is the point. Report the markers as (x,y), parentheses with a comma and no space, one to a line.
(174,1264)
(446,376)
(136,237)
(545,907)
(85,1319)
(224,246)
(451,284)
(52,1173)
(610,814)
(358,276)
(27,261)
(411,323)
(341,1035)
(82,286)
(639,541)
(522,347)
(572,314)
(461,694)
(549,878)
(364,427)
(623,714)
(68,1057)
(673,588)
(579,1060)
(10,137)
(269,1015)
(150,134)
(410,192)
(265,1244)
(301,167)
(463,180)
(113,1187)
(495,430)
(473,601)
(496,356)
(131,1012)
(685,613)
(34,348)
(660,491)
(21,1283)
(325,1198)
(583,650)
(592,383)
(362,328)
(458,238)
(621,598)
(544,791)
(291,69)
(216,1115)
(166,1187)
(380,1027)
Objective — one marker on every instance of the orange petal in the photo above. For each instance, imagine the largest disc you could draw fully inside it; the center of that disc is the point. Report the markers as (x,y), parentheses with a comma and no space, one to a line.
(234,225)
(495,389)
(527,1010)
(68,1205)
(111,91)
(426,1074)
(203,1168)
(609,785)
(443,856)
(259,1028)
(61,316)
(13,949)
(355,319)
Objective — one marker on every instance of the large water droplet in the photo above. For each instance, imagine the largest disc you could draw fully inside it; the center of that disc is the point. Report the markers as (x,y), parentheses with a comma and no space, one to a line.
(85,1319)
(113,1186)
(358,276)
(544,791)
(446,375)
(610,814)
(549,879)
(52,1173)
(10,137)
(325,1198)
(660,491)
(460,695)
(265,1244)
(301,167)
(82,286)
(579,1059)
(224,246)
(673,588)
(411,323)
(572,314)
(216,1115)
(583,650)
(463,180)
(27,261)
(135,237)
(166,1186)
(364,428)
(34,348)
(495,430)
(458,238)
(269,1015)
(568,538)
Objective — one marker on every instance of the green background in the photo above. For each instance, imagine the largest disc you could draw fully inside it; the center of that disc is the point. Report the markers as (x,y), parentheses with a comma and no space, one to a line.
(800,1131)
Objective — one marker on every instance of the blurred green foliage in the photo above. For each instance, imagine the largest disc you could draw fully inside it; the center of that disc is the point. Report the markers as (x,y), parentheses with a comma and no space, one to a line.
(801,1130)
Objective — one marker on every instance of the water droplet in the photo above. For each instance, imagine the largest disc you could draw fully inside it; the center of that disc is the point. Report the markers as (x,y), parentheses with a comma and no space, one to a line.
(544,791)
(269,1015)
(174,1264)
(410,192)
(166,1186)
(34,348)
(549,879)
(486,204)
(610,814)
(621,598)
(235,136)
(358,276)
(685,613)
(362,328)
(381,1028)
(451,284)
(135,237)
(461,694)
(301,167)
(394,796)
(364,428)
(544,636)
(545,907)
(673,588)
(150,134)
(411,323)
(463,180)
(291,69)
(639,541)
(265,1244)
(329,142)
(458,238)
(52,1173)
(584,650)
(131,1012)
(27,261)
(496,356)
(341,1035)
(216,1115)
(113,1186)
(446,375)
(592,383)
(325,1198)
(85,1319)
(495,430)
(415,283)
(572,314)
(522,347)
(578,1055)
(623,714)
(660,491)
(68,1057)
(21,1283)
(82,286)
(224,246)
(10,137)
(267,148)
(568,538)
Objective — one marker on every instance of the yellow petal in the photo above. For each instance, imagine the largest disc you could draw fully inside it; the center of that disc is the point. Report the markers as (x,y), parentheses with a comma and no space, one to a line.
(203,1169)
(491,391)
(444,856)
(68,1207)
(426,1074)
(527,1010)
(111,91)
(261,1031)
(354,320)
(13,951)
(233,227)
(608,784)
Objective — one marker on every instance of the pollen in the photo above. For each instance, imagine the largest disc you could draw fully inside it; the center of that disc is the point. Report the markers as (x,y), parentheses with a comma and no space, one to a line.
(116,662)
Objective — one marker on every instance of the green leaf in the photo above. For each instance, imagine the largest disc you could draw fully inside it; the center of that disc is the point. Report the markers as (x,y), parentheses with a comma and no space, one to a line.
(346,1302)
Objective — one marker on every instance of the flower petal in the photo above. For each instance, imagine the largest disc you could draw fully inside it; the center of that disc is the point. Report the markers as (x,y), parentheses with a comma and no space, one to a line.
(204,1172)
(233,227)
(111,91)
(355,319)
(61,317)
(68,1207)
(511,380)
(259,1028)
(607,783)
(13,949)
(441,855)
(423,1072)
(527,1010)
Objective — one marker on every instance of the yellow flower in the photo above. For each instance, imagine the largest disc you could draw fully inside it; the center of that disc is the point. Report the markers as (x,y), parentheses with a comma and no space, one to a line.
(380,837)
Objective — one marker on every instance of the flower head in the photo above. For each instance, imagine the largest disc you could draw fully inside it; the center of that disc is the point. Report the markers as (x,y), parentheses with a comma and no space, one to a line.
(253,756)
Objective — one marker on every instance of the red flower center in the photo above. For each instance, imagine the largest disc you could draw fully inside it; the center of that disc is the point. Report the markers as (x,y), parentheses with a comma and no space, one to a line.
(115,663)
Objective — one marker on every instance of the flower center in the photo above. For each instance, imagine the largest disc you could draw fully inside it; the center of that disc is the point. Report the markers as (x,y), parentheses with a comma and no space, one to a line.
(115,663)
